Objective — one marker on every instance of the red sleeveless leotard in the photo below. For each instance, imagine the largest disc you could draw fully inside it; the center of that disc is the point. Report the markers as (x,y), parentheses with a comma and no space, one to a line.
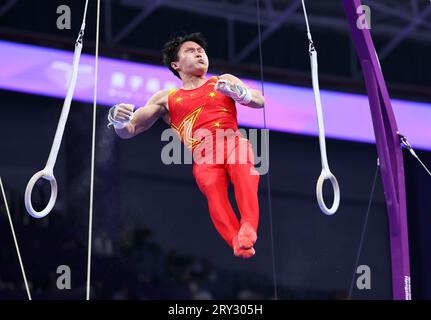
(201,108)
(206,108)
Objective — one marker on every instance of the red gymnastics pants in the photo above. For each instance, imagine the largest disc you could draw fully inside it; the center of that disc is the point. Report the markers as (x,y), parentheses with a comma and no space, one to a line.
(237,166)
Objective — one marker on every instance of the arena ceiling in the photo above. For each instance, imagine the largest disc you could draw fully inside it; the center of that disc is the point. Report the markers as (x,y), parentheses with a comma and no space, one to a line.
(137,29)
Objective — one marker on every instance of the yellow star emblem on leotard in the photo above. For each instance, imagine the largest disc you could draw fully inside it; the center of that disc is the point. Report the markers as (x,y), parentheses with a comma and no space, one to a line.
(217,124)
(179,99)
(212,94)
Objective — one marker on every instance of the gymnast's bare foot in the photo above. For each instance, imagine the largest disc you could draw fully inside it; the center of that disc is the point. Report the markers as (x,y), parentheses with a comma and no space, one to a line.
(246,236)
(242,253)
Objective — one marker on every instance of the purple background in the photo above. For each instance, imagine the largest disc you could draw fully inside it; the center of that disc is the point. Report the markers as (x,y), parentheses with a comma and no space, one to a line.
(291,109)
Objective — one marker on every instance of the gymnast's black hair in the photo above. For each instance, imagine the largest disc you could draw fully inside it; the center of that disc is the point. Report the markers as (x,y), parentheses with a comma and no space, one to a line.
(171,48)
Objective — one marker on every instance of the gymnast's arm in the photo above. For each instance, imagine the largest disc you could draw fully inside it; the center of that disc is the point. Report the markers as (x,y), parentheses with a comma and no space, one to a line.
(257,99)
(145,117)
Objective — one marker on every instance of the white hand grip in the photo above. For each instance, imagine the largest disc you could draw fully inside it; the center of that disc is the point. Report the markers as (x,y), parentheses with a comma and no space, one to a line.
(46,174)
(319,192)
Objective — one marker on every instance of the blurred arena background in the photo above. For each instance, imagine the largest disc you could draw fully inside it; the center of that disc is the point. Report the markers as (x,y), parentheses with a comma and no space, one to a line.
(153,238)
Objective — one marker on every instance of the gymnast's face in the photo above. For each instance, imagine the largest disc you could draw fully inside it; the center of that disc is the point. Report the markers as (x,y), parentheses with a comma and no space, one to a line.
(192,59)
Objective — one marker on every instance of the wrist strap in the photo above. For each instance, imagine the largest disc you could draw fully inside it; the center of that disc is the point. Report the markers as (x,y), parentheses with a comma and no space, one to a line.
(245,95)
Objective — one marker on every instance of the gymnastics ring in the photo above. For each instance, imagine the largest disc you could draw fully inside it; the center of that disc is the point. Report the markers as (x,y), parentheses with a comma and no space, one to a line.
(47,174)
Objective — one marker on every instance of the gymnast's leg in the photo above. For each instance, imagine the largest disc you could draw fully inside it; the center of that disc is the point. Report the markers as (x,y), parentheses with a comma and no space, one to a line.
(213,182)
(245,179)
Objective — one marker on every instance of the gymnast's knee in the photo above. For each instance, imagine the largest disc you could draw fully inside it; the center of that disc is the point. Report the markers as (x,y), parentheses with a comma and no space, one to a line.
(211,186)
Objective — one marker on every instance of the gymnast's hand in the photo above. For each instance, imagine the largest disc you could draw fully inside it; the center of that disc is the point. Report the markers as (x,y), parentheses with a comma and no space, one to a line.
(236,91)
(120,115)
